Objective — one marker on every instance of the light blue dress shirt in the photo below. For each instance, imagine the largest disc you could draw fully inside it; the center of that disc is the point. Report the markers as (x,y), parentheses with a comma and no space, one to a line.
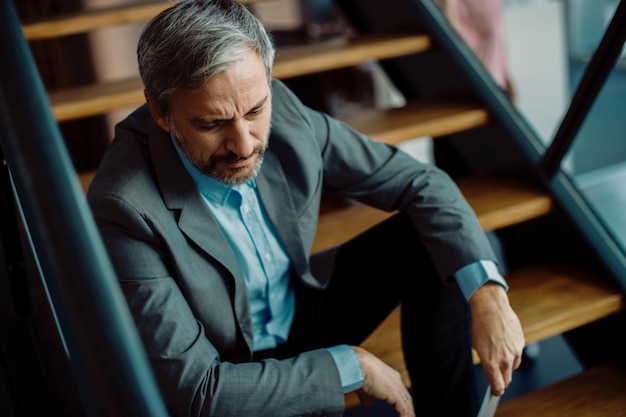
(265,267)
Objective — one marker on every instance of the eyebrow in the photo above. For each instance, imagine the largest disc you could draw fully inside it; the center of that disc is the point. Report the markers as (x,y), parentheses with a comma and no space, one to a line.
(205,120)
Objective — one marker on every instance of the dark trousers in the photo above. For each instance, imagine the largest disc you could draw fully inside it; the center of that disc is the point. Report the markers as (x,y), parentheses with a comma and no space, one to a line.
(375,272)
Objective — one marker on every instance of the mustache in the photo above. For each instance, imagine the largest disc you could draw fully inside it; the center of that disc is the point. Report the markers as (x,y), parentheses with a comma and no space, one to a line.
(232,157)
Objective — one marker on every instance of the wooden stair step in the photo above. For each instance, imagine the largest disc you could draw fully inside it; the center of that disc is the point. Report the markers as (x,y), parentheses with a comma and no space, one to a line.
(417,119)
(100,98)
(94,99)
(89,20)
(498,202)
(597,392)
(344,51)
(549,300)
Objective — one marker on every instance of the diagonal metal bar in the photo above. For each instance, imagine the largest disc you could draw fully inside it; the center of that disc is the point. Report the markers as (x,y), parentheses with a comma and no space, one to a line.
(598,69)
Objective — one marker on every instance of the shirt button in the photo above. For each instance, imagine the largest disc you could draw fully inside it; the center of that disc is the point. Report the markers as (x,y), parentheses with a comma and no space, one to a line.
(268,257)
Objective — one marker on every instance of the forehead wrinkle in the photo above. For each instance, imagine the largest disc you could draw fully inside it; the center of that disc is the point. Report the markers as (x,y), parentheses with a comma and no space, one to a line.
(215,116)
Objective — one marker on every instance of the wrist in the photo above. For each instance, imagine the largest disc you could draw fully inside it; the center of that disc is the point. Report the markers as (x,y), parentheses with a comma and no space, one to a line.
(489,292)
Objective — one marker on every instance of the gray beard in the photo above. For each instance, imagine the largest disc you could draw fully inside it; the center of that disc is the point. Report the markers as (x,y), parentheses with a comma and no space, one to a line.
(211,169)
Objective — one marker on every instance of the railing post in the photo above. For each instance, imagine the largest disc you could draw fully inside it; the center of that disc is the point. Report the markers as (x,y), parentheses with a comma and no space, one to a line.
(595,75)
(105,350)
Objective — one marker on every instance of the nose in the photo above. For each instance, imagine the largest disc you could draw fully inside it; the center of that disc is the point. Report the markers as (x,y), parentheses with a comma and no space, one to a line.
(240,140)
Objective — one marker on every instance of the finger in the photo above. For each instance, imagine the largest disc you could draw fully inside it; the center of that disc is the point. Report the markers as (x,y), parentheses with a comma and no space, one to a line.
(496,380)
(517,362)
(507,375)
(404,407)
(497,390)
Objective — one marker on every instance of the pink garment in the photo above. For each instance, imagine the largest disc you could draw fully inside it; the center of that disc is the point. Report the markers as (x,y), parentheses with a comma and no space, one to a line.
(480,23)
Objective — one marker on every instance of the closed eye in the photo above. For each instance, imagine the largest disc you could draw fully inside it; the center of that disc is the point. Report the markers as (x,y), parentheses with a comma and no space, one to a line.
(210,126)
(256,111)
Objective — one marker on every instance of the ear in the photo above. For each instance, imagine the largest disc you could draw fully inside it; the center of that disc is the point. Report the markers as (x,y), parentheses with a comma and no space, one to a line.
(156,114)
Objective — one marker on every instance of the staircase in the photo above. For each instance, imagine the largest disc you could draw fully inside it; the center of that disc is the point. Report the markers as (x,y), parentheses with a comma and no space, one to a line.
(559,279)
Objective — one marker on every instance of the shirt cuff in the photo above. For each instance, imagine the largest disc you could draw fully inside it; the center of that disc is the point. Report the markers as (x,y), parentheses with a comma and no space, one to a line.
(474,275)
(349,367)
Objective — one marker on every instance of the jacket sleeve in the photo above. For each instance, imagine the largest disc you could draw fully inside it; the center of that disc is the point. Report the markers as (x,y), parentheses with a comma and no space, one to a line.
(389,179)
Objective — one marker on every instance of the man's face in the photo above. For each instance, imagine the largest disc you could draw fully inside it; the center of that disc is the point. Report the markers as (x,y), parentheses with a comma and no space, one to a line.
(223,126)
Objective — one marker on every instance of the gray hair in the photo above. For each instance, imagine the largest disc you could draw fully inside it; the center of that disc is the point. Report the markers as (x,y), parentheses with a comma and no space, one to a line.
(190,42)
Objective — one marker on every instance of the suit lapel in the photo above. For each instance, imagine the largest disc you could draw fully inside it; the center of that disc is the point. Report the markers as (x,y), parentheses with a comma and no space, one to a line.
(276,197)
(180,193)
(196,221)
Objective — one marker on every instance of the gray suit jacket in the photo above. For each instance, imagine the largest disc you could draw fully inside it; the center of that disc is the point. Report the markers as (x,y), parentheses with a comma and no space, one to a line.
(180,276)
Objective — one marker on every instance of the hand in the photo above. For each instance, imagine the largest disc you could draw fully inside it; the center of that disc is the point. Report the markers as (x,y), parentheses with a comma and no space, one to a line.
(497,335)
(381,382)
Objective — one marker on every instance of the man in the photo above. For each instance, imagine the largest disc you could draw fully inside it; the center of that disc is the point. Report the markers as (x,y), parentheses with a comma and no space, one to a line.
(207,201)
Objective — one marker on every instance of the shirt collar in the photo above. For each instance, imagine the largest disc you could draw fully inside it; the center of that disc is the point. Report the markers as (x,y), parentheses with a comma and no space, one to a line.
(212,189)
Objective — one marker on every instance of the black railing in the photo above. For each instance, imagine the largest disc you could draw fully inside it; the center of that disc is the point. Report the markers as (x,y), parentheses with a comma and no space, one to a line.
(106,353)
(598,69)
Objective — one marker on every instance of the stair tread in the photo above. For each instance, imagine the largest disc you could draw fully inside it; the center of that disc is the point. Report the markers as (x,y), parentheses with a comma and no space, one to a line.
(103,97)
(597,392)
(549,300)
(89,20)
(344,51)
(497,200)
(500,201)
(94,99)
(417,119)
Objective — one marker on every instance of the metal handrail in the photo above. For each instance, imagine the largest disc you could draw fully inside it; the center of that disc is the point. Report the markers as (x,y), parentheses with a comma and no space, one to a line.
(103,343)
(596,73)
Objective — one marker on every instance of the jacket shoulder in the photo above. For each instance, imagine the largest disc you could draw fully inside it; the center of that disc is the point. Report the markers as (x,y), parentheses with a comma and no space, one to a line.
(127,156)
